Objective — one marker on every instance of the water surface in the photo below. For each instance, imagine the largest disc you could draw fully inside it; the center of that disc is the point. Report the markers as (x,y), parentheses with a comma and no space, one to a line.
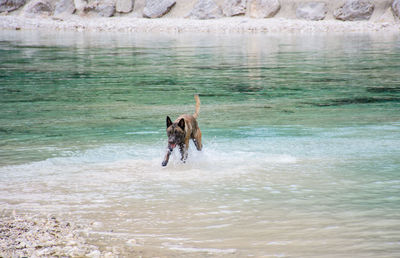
(301,140)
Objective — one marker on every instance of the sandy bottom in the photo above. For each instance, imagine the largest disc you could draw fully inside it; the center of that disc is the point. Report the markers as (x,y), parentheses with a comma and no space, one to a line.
(224,25)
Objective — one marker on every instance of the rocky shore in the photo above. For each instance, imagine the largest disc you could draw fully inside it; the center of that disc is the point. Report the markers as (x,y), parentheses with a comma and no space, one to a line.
(221,16)
(176,25)
(36,236)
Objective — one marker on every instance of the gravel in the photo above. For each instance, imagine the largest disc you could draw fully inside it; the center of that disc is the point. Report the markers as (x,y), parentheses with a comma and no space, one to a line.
(36,236)
(181,25)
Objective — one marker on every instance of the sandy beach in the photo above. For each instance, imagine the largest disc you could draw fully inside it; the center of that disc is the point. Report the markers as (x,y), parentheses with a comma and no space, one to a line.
(182,25)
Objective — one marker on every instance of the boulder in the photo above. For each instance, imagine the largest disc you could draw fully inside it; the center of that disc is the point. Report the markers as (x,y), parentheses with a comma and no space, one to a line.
(234,7)
(39,7)
(313,11)
(355,10)
(11,5)
(106,9)
(396,7)
(124,6)
(157,8)
(64,7)
(80,6)
(101,8)
(264,8)
(387,17)
(205,9)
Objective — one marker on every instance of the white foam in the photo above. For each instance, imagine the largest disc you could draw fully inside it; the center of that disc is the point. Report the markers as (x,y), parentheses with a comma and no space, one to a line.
(213,162)
(143,132)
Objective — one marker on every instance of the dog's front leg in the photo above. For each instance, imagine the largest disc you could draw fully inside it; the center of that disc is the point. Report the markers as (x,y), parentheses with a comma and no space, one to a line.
(166,159)
(184,152)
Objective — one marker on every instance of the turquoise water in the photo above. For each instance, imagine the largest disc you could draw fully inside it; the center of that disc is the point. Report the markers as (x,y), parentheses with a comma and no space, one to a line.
(301,140)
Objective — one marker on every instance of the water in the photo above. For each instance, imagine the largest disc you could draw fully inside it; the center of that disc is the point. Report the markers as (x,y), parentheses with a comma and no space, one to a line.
(301,141)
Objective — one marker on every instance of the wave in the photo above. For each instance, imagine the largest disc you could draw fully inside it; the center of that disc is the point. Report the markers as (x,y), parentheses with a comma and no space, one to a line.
(216,160)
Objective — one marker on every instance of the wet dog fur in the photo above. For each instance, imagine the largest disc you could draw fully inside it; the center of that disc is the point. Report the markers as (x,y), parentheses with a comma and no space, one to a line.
(180,131)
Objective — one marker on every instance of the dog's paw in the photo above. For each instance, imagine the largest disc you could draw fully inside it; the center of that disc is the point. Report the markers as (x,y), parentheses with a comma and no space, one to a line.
(164,163)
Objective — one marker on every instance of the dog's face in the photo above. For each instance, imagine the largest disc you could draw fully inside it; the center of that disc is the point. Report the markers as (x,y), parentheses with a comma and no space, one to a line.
(175,133)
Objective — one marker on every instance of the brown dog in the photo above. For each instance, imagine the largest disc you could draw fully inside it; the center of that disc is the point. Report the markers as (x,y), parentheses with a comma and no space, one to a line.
(179,132)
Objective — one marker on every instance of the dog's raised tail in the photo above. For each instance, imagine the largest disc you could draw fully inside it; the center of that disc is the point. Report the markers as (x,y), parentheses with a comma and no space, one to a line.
(196,113)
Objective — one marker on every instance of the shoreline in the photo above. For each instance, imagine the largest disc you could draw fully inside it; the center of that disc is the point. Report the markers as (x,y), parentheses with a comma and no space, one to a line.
(35,234)
(240,25)
(26,235)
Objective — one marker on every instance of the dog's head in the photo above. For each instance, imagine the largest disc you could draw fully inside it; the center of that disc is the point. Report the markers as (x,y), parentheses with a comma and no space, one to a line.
(175,132)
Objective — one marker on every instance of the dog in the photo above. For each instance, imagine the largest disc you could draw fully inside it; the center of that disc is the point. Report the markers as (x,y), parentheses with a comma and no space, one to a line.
(181,131)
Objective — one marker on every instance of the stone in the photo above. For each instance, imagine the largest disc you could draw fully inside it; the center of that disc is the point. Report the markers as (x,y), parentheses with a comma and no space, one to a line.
(157,8)
(313,11)
(80,5)
(11,5)
(30,236)
(396,8)
(39,7)
(108,255)
(97,224)
(124,6)
(106,9)
(94,254)
(387,17)
(264,8)
(234,7)
(131,242)
(205,9)
(354,10)
(101,8)
(64,7)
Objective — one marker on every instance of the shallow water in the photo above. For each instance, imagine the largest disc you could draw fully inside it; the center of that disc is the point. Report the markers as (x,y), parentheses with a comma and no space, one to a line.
(301,140)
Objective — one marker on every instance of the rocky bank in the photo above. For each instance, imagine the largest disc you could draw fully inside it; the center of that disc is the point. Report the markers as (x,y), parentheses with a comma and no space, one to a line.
(39,236)
(202,15)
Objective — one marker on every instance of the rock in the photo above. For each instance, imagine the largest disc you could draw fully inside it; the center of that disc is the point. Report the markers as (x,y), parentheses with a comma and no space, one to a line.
(106,9)
(76,252)
(94,254)
(101,8)
(64,7)
(72,243)
(205,9)
(355,10)
(264,8)
(97,224)
(157,8)
(234,7)
(11,5)
(39,7)
(396,7)
(387,17)
(108,255)
(124,6)
(80,5)
(313,11)
(30,236)
(131,242)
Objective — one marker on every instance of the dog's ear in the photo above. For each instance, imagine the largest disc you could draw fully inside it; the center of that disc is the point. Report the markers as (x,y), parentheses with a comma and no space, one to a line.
(169,122)
(181,124)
